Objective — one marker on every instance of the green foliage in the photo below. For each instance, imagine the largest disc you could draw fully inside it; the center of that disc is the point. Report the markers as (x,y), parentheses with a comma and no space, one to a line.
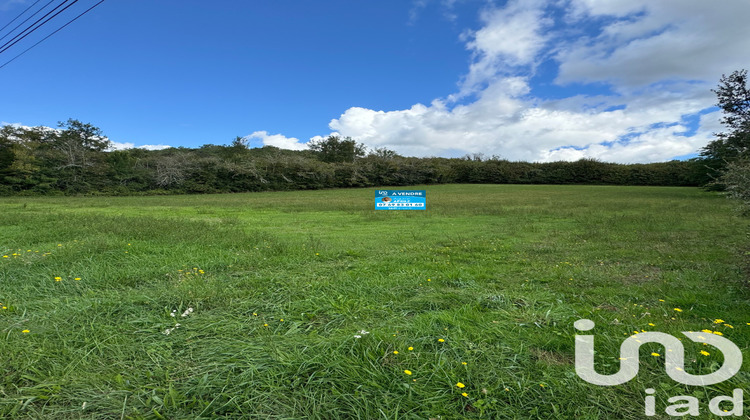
(736,177)
(733,96)
(337,150)
(74,160)
(727,157)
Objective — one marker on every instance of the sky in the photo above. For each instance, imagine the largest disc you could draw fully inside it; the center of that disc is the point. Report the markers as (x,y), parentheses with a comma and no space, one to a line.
(625,81)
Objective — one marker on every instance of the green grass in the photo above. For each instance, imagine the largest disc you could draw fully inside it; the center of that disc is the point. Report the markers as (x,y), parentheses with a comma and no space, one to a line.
(500,273)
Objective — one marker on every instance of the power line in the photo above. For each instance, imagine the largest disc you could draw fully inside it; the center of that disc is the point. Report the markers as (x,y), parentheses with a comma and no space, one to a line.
(56,31)
(26,20)
(14,19)
(8,44)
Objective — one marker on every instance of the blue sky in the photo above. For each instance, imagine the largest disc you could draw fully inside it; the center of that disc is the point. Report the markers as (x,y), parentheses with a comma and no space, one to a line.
(624,81)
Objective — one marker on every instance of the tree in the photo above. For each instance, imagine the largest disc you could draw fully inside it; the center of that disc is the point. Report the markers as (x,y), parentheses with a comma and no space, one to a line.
(733,95)
(337,150)
(6,148)
(734,99)
(78,142)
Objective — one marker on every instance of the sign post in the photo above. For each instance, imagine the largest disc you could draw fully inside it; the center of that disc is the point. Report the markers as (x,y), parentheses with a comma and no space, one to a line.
(400,200)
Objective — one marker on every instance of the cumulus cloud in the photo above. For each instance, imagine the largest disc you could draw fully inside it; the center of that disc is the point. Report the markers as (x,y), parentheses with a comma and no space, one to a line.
(276,140)
(511,36)
(658,61)
(647,42)
(505,123)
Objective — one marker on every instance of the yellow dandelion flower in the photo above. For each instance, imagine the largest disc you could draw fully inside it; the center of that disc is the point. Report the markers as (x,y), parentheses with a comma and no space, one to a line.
(705,353)
(719,321)
(506,389)
(255,314)
(25,331)
(678,309)
(463,363)
(395,351)
(655,354)
(429,279)
(460,385)
(411,348)
(651,324)
(661,300)
(717,333)
(58,278)
(441,340)
(464,394)
(543,385)
(77,279)
(5,307)
(707,331)
(407,371)
(281,320)
(5,256)
(265,325)
(728,326)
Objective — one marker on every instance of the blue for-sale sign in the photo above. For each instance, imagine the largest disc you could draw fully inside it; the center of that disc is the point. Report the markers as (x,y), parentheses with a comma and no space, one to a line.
(400,200)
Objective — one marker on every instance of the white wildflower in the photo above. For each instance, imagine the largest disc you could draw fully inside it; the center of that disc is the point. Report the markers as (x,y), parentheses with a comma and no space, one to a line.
(361,333)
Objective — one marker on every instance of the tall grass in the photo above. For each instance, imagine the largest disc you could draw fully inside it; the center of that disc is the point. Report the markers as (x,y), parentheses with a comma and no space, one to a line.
(281,285)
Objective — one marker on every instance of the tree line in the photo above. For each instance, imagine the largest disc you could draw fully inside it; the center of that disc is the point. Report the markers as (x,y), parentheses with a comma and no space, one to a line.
(76,158)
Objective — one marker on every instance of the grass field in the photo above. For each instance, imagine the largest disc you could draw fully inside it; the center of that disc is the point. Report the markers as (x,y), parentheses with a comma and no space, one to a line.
(313,305)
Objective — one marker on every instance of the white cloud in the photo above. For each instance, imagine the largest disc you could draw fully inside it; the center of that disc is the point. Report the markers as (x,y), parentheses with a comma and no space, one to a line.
(503,123)
(114,145)
(277,140)
(659,60)
(650,41)
(511,36)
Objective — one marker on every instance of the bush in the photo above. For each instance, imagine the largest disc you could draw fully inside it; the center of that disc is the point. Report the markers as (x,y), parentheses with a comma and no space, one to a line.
(736,179)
